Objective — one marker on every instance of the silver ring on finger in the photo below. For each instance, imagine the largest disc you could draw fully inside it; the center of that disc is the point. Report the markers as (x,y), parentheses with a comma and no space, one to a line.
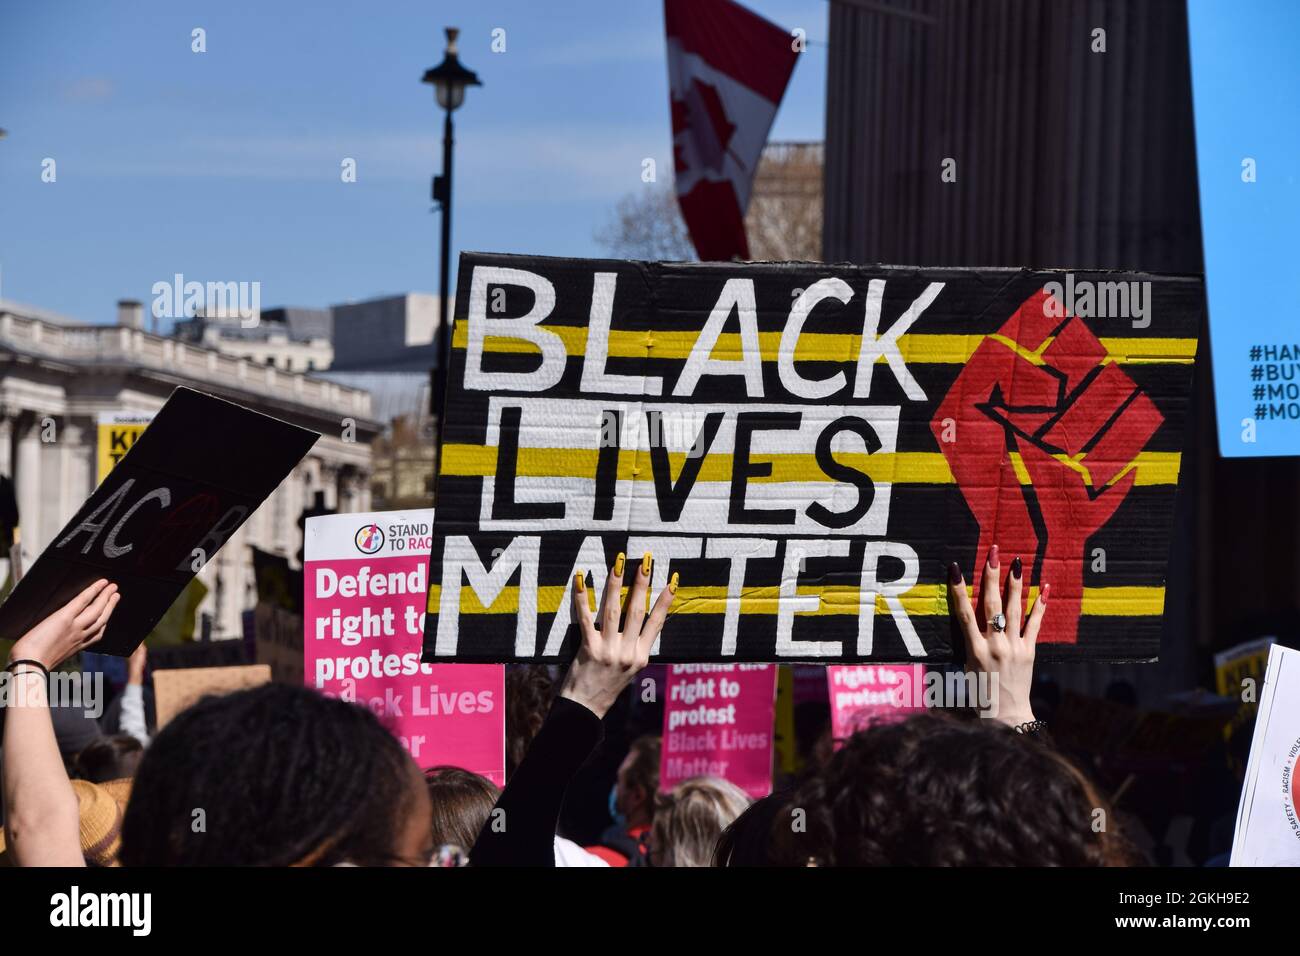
(999,622)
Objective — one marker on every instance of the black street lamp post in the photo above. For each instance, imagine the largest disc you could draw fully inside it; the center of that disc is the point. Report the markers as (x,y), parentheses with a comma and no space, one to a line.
(449,80)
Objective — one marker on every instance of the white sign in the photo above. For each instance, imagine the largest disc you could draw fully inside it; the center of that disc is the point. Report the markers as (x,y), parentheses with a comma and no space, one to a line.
(1268,824)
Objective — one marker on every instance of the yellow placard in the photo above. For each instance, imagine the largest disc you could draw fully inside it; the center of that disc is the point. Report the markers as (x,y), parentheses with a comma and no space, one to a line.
(117,432)
(1233,666)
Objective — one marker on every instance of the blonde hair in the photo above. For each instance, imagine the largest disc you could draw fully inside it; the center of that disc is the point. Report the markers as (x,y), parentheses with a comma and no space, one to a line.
(689,820)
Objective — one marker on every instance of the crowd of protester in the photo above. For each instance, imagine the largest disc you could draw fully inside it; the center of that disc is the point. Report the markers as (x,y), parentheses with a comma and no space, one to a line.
(283,776)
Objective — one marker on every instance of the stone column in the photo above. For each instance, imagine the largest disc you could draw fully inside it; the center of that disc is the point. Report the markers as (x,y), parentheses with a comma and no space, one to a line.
(28,479)
(363,491)
(328,482)
(6,445)
(76,478)
(346,489)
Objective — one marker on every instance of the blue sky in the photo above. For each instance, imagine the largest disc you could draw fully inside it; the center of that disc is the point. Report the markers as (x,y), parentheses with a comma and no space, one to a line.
(225,165)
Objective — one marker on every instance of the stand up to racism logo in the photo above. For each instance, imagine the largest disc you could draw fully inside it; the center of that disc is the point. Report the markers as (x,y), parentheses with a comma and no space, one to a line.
(369,538)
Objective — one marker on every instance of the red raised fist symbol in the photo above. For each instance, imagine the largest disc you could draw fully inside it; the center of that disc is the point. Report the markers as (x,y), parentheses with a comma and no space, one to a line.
(1041,431)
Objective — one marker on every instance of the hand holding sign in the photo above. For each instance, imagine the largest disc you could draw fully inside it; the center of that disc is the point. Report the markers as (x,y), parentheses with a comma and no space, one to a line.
(608,658)
(72,628)
(996,645)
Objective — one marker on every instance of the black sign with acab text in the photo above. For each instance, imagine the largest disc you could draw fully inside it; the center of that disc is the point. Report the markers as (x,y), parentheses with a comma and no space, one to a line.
(189,481)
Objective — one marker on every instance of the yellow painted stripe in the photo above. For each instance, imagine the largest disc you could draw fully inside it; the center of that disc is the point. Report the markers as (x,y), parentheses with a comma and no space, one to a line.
(923,348)
(1022,473)
(909,468)
(922,600)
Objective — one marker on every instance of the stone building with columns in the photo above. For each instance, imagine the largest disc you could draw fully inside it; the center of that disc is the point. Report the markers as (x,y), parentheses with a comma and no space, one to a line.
(56,376)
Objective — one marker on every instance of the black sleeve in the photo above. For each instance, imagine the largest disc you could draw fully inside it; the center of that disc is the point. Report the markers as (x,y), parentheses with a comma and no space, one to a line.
(525,836)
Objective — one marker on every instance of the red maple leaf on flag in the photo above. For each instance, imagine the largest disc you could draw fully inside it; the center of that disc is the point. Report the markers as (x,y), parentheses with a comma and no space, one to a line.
(727,71)
(706,118)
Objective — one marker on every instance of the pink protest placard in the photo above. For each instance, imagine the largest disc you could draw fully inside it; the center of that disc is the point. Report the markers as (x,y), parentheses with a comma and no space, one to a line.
(718,723)
(863,693)
(366,585)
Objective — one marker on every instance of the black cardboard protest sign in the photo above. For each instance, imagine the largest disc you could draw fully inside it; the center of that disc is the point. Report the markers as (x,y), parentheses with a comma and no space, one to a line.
(189,481)
(808,446)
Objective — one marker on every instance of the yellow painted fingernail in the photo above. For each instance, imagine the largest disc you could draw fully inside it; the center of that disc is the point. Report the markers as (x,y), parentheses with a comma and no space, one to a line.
(618,564)
(580,582)
(672,583)
(646,561)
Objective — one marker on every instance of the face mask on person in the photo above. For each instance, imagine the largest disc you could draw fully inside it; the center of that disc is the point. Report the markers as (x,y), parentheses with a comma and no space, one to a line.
(619,817)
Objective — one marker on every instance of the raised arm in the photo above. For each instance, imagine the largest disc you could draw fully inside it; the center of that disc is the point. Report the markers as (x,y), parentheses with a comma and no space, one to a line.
(133,720)
(996,642)
(521,829)
(42,820)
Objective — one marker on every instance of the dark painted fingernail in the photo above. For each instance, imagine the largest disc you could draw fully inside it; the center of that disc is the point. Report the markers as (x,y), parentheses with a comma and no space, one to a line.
(1015,569)
(954,574)
(993,556)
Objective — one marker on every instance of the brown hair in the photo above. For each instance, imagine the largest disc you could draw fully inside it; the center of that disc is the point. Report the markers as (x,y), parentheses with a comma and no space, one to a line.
(529,692)
(109,758)
(643,771)
(462,802)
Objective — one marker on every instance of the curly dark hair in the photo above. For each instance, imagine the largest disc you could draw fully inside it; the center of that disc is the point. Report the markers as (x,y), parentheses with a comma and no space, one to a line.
(747,840)
(283,776)
(935,791)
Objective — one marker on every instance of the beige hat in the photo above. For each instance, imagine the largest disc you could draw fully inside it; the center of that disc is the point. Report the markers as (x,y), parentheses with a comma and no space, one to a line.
(100,808)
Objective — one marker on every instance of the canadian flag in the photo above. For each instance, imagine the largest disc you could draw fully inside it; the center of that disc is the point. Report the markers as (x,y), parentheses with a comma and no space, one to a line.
(727,71)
